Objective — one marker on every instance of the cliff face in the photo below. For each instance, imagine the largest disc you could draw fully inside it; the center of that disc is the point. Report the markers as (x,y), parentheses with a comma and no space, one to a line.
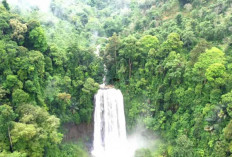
(74,133)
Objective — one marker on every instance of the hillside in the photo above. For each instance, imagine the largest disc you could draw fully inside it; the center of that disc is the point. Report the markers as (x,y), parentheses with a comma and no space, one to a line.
(170,58)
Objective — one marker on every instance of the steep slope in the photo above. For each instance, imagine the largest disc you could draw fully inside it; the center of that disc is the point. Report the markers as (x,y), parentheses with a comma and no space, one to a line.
(170,58)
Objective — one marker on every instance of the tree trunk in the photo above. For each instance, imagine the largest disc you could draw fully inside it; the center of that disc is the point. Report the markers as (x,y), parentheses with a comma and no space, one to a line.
(130,68)
(11,145)
(115,58)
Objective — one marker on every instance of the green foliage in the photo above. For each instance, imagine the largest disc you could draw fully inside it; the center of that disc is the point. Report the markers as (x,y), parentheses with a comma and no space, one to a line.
(183,2)
(216,73)
(37,39)
(111,26)
(173,43)
(20,97)
(167,58)
(2,94)
(6,5)
(227,101)
(148,42)
(179,89)
(7,116)
(111,54)
(183,148)
(35,130)
(63,101)
(206,60)
(12,82)
(14,154)
(179,19)
(29,86)
(67,150)
(129,54)
(227,131)
(198,49)
(90,86)
(143,153)
(54,79)
(89,89)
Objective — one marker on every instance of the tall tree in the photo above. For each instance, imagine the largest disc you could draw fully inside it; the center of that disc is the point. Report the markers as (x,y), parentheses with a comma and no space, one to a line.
(111,54)
(6,5)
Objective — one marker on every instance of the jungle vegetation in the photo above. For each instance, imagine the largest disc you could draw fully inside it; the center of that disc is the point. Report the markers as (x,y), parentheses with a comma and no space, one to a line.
(172,60)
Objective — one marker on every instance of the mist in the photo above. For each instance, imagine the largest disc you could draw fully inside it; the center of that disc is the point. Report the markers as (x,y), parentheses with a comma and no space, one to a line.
(140,137)
(27,5)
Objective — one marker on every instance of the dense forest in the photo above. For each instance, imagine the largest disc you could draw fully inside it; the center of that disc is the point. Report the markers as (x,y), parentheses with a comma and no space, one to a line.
(172,60)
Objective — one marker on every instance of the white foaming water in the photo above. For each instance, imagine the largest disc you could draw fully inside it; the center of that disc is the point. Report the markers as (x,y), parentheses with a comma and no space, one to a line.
(97,52)
(109,125)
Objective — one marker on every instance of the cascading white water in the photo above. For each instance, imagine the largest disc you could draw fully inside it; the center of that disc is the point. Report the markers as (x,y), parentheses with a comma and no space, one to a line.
(109,124)
(110,139)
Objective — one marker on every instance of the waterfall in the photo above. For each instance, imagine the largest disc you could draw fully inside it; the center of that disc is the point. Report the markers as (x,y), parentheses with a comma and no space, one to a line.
(109,124)
(110,139)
